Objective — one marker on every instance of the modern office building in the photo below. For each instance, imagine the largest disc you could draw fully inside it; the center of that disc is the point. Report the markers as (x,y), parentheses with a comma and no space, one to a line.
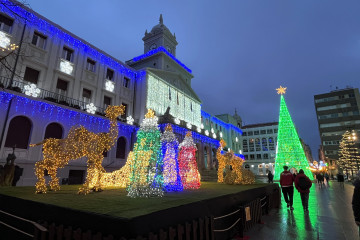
(336,111)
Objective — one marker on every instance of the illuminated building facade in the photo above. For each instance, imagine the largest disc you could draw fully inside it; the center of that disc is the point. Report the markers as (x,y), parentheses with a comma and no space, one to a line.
(61,80)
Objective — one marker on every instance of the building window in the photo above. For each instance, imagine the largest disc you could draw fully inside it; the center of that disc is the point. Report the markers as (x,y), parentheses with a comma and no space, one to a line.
(5,23)
(90,65)
(257,144)
(31,75)
(275,130)
(269,131)
(256,132)
(246,157)
(86,95)
(244,133)
(264,144)
(252,156)
(258,156)
(39,40)
(266,156)
(126,82)
(61,86)
(18,134)
(250,133)
(121,148)
(125,111)
(54,130)
(251,144)
(271,144)
(68,54)
(263,132)
(109,74)
(107,101)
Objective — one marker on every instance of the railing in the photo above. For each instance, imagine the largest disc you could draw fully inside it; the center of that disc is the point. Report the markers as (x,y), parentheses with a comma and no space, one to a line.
(19,86)
(17,224)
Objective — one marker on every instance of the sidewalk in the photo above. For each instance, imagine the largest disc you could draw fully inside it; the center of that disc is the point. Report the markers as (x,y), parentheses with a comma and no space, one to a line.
(330,217)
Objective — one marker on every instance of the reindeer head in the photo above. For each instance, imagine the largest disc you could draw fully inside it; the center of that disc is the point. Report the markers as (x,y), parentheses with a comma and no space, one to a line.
(112,112)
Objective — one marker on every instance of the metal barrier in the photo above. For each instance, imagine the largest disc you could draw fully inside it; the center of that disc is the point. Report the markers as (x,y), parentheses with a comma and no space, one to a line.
(22,220)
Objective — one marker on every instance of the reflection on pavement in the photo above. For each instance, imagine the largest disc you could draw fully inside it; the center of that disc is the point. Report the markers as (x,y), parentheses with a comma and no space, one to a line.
(330,217)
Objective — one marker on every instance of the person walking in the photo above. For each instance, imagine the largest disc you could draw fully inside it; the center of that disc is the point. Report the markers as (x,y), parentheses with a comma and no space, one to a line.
(327,179)
(356,200)
(303,185)
(270,177)
(340,178)
(286,182)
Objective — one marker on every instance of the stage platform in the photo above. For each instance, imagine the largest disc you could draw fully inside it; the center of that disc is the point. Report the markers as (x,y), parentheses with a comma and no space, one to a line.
(112,213)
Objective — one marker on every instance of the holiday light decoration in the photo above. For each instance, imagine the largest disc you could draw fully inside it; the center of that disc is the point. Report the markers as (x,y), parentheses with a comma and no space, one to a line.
(47,28)
(212,130)
(190,176)
(289,149)
(79,143)
(349,159)
(177,121)
(109,85)
(66,67)
(91,108)
(221,134)
(202,126)
(32,90)
(236,139)
(198,130)
(171,175)
(214,135)
(230,165)
(118,178)
(146,179)
(160,95)
(4,40)
(130,120)
(188,125)
(206,132)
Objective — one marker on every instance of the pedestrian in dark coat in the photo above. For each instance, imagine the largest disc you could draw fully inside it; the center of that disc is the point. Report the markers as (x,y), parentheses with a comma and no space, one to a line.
(270,177)
(287,186)
(356,200)
(303,185)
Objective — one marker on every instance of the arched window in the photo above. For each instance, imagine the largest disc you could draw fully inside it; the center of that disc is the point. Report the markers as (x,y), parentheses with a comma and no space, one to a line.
(19,132)
(121,147)
(53,130)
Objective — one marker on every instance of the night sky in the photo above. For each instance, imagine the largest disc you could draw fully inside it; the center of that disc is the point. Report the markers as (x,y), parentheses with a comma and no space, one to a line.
(239,50)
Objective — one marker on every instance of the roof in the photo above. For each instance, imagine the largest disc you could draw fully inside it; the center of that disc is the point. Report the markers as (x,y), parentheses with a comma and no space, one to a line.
(259,125)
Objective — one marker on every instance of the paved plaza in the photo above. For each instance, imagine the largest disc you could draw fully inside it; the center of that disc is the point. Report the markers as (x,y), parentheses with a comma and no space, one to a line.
(330,217)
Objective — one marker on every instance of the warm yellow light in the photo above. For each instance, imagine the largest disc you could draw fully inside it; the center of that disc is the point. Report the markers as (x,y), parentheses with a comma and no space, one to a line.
(79,143)
(281,90)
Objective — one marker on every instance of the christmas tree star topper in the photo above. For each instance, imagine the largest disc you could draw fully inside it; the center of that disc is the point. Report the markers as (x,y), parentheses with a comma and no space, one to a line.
(150,113)
(281,90)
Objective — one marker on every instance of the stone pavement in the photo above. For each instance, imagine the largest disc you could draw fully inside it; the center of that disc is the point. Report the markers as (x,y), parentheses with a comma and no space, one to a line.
(330,217)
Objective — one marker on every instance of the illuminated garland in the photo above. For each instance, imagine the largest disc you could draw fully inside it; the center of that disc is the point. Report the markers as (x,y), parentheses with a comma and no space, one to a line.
(146,178)
(172,179)
(289,150)
(80,142)
(189,173)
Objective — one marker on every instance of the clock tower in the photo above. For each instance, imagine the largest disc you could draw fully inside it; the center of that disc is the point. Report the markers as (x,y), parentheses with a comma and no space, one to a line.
(160,35)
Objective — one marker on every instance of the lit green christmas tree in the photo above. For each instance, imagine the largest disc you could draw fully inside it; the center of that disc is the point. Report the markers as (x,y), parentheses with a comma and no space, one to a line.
(289,151)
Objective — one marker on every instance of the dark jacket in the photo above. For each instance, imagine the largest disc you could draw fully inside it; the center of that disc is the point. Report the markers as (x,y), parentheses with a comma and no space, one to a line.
(297,183)
(356,200)
(286,179)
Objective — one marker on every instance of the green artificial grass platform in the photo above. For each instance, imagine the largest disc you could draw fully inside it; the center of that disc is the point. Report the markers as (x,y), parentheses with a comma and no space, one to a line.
(114,202)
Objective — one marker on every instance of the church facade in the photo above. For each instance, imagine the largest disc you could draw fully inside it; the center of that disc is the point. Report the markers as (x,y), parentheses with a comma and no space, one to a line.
(55,80)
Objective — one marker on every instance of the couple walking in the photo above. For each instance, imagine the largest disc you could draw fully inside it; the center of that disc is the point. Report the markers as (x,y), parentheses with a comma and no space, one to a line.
(302,184)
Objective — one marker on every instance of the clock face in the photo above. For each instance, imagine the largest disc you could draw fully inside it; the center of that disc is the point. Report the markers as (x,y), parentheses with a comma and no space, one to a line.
(153,46)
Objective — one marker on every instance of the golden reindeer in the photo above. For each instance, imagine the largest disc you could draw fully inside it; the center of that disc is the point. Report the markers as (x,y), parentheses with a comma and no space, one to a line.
(79,143)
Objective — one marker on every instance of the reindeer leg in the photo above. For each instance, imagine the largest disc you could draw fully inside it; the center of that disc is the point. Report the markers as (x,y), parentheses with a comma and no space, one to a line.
(91,173)
(39,171)
(54,183)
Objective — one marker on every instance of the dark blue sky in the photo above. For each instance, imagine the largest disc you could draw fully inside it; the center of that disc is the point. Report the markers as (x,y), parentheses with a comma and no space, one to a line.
(239,50)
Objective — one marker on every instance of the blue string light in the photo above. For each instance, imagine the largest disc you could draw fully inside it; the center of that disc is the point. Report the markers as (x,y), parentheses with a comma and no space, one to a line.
(46,28)
(44,111)
(227,126)
(160,49)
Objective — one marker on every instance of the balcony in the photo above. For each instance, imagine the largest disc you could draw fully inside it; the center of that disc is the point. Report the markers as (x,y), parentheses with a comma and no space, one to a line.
(66,67)
(58,98)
